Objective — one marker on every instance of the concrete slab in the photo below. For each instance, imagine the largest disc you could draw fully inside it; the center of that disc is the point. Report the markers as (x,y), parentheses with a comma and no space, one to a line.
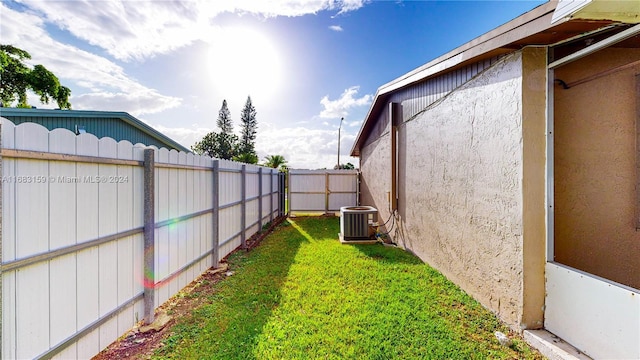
(356,242)
(552,346)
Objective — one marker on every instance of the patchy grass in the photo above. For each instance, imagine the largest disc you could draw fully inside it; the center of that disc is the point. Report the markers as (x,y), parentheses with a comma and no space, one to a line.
(303,295)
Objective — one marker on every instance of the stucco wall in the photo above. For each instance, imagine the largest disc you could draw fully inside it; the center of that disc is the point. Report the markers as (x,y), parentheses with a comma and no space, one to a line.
(460,171)
(596,168)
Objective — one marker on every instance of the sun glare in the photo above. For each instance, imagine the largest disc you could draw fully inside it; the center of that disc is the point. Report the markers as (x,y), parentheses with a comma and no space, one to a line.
(244,62)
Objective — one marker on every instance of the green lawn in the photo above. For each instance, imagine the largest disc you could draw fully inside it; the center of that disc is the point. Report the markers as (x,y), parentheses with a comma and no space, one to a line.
(303,295)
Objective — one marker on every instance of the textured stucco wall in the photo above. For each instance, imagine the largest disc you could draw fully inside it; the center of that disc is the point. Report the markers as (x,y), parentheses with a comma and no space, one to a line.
(596,168)
(460,166)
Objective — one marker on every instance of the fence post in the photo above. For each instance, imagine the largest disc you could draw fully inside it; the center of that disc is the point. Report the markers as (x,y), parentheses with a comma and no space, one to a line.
(149,236)
(326,192)
(283,194)
(216,213)
(271,195)
(259,199)
(243,208)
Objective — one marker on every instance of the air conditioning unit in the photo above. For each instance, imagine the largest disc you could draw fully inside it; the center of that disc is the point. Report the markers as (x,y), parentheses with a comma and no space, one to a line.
(355,222)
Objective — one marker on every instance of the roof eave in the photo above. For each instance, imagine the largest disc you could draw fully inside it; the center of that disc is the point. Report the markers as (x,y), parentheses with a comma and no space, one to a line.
(504,39)
(531,22)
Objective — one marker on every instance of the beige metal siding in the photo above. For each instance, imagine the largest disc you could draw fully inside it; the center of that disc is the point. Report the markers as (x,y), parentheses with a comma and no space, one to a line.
(418,97)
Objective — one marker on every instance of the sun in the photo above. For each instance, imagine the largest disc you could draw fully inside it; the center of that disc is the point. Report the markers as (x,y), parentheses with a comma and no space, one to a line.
(242,62)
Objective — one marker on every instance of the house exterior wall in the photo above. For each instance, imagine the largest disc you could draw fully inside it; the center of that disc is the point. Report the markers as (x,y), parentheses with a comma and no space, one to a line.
(460,185)
(596,167)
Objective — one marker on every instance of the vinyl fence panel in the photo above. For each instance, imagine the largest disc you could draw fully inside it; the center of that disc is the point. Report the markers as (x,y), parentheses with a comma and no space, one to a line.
(73,244)
(322,190)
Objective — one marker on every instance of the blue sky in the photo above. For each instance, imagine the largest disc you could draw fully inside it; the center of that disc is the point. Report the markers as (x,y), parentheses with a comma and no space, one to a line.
(305,64)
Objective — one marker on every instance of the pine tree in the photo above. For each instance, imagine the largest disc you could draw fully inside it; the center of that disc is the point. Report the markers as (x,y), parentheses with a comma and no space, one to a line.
(224,119)
(227,140)
(222,145)
(246,148)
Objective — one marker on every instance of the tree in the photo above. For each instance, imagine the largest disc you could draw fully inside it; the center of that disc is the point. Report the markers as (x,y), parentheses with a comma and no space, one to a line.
(222,145)
(225,124)
(16,79)
(347,166)
(249,124)
(246,158)
(276,162)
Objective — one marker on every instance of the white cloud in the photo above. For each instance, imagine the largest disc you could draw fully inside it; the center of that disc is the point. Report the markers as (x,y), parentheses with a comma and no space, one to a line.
(135,30)
(107,85)
(146,102)
(305,148)
(138,30)
(337,28)
(185,136)
(340,107)
(351,5)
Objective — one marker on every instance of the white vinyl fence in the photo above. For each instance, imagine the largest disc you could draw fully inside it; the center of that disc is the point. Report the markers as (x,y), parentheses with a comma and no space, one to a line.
(322,190)
(95,234)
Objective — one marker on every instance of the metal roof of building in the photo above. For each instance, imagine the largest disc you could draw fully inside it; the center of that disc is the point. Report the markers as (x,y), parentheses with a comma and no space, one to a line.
(100,116)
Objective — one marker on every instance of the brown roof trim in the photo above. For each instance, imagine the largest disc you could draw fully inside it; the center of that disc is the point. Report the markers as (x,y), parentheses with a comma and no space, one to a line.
(494,42)
(529,23)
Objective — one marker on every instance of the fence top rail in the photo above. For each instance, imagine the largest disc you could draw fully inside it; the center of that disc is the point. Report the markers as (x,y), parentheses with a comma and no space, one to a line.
(182,166)
(322,172)
(38,155)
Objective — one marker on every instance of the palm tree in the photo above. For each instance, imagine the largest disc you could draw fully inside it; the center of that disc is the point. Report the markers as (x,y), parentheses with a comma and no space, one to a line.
(276,162)
(246,158)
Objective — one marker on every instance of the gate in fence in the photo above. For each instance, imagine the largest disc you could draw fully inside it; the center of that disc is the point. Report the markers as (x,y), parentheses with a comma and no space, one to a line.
(322,190)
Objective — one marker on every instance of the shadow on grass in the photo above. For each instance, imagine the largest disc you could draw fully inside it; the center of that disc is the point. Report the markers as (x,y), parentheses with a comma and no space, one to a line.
(388,254)
(303,295)
(228,326)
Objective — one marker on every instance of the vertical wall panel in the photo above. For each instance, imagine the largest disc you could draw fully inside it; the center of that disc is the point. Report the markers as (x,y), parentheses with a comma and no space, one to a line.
(162,234)
(8,193)
(138,220)
(34,197)
(108,252)
(189,209)
(207,203)
(32,282)
(87,229)
(198,205)
(8,245)
(183,246)
(124,184)
(174,248)
(32,300)
(70,352)
(9,320)
(62,181)
(62,306)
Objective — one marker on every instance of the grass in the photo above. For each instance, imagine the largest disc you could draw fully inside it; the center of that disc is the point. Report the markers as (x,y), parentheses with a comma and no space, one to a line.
(303,295)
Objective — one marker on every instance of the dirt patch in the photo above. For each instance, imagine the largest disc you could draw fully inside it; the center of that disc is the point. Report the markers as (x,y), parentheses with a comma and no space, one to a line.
(138,344)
